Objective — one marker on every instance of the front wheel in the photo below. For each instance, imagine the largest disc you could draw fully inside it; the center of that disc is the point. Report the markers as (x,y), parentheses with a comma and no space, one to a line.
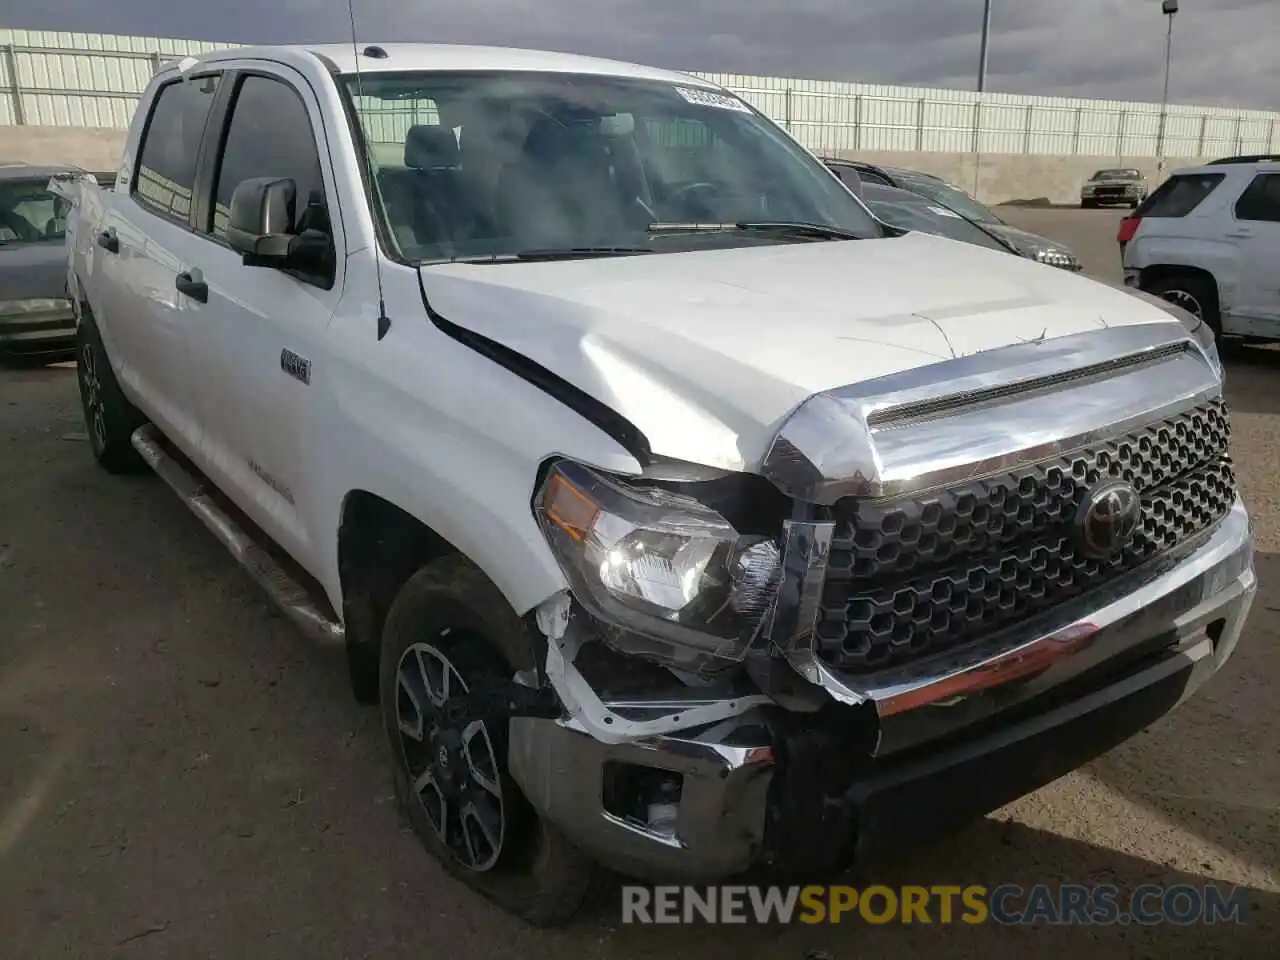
(450,632)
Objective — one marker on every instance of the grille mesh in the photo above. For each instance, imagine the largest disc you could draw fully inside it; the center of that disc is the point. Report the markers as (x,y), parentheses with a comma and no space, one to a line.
(913,576)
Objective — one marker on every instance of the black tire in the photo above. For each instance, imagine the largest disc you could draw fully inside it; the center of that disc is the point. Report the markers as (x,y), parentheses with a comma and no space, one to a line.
(1192,292)
(449,607)
(109,418)
(1088,204)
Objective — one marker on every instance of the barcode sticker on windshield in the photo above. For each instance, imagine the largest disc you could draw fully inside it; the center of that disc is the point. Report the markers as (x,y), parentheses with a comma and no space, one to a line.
(709,98)
(944,212)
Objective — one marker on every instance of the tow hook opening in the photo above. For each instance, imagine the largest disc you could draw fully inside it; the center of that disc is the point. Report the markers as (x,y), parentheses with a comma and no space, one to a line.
(643,797)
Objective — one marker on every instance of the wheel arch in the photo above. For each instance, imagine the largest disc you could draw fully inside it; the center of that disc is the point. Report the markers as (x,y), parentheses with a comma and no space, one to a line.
(380,545)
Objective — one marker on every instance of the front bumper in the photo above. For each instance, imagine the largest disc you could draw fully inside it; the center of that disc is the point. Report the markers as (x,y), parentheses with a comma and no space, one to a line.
(49,331)
(800,793)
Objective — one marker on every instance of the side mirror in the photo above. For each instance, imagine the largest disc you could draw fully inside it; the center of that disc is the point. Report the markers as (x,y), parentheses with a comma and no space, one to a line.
(263,211)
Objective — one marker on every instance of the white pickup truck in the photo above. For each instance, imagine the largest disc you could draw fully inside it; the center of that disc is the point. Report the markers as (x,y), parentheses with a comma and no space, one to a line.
(679,515)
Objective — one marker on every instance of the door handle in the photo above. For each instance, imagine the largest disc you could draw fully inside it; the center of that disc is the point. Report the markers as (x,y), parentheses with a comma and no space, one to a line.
(108,241)
(192,285)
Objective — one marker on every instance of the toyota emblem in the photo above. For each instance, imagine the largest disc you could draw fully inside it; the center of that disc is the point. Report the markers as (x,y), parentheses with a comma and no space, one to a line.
(1108,518)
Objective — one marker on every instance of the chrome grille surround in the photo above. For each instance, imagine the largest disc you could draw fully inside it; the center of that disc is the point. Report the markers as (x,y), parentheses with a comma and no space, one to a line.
(989,419)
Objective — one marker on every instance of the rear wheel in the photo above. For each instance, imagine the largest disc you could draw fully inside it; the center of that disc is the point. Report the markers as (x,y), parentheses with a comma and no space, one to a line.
(1193,293)
(109,417)
(450,632)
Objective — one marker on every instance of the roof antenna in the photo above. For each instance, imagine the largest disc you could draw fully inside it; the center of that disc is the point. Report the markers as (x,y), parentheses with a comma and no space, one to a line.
(384,322)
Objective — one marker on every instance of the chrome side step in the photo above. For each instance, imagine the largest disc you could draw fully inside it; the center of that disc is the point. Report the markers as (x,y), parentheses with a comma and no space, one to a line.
(293,599)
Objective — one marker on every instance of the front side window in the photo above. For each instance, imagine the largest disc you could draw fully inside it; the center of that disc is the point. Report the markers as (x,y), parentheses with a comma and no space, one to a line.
(1261,199)
(270,135)
(171,145)
(495,164)
(29,213)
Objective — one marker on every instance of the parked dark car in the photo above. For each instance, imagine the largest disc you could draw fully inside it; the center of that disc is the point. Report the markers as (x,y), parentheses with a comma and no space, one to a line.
(37,321)
(1125,186)
(910,211)
(1026,244)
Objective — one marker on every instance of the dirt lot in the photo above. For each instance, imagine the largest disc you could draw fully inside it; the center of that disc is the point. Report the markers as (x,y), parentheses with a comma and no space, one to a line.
(181,775)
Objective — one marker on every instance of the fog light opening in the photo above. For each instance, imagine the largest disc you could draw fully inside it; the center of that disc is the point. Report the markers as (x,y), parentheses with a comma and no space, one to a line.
(644,797)
(1215,631)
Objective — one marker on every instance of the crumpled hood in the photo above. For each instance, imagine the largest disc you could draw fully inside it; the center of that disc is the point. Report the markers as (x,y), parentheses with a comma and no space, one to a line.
(708,352)
(29,271)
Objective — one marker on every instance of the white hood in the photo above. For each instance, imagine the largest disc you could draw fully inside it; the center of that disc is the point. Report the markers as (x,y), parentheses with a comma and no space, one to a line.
(708,352)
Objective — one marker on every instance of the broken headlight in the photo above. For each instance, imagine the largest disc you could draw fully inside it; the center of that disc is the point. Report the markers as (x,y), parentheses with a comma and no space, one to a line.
(667,577)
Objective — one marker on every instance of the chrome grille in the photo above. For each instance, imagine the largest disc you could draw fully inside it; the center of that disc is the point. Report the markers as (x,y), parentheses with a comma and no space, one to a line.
(914,575)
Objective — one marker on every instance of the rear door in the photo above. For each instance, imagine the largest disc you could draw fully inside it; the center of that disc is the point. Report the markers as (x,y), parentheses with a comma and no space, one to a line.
(1257,231)
(260,342)
(143,246)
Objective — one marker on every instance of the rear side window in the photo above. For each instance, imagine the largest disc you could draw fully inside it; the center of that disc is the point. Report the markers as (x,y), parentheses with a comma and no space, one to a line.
(1261,199)
(171,146)
(1179,195)
(270,135)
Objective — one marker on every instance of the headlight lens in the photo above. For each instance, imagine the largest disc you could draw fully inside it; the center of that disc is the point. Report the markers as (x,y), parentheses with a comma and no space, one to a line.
(667,577)
(1055,257)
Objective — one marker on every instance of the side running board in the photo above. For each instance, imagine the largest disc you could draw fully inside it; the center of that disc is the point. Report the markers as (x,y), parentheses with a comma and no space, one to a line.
(293,599)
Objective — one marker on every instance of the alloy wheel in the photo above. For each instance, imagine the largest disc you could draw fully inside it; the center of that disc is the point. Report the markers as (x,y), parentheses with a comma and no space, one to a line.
(1185,300)
(94,409)
(453,773)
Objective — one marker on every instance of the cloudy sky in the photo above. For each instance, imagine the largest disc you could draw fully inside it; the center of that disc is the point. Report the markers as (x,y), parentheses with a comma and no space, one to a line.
(1224,50)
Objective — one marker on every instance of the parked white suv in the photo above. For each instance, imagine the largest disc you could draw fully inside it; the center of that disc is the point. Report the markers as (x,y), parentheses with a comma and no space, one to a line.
(1209,240)
(679,514)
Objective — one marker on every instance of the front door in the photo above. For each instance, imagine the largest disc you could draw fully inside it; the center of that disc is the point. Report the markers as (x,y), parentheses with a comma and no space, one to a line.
(261,355)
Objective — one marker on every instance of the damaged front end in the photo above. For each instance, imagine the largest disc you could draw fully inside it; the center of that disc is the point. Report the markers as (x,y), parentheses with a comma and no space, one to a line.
(904,619)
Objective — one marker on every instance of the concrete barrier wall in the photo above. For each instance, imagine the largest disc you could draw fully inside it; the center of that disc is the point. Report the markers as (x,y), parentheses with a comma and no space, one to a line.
(93,148)
(992,177)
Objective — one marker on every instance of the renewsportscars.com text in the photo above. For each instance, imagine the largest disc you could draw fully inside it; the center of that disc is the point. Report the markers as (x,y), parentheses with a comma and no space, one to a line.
(1009,904)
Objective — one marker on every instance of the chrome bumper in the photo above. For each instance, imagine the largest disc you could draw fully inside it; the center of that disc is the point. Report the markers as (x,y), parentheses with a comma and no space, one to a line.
(1181,616)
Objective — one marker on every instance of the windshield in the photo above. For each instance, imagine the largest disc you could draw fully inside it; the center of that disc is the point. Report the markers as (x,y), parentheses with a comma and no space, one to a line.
(949,196)
(29,213)
(1117,175)
(907,211)
(495,164)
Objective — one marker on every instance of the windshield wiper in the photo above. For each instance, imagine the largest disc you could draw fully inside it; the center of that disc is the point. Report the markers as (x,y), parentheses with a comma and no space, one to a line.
(795,227)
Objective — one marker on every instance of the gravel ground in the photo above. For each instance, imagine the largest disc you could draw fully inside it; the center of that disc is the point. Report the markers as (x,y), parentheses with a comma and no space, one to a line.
(181,775)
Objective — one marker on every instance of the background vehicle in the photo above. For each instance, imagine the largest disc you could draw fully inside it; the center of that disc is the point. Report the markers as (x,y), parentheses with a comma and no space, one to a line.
(677,515)
(1208,239)
(911,211)
(1120,185)
(37,321)
(1027,244)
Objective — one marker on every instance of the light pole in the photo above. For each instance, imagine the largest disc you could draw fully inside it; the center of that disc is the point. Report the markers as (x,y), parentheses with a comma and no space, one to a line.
(1170,10)
(986,39)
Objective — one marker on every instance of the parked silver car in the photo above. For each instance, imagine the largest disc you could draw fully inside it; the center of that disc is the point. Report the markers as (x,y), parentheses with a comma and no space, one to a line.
(1119,185)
